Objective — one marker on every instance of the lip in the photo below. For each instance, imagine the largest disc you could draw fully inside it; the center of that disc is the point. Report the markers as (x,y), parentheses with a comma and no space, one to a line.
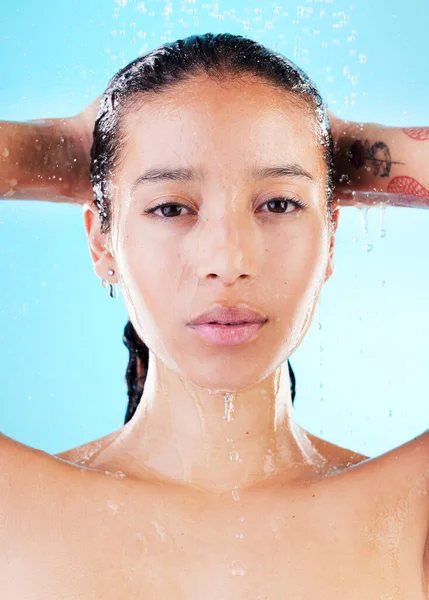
(211,324)
(222,314)
(228,335)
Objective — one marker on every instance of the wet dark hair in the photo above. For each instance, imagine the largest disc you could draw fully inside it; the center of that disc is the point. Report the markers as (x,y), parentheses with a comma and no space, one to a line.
(216,56)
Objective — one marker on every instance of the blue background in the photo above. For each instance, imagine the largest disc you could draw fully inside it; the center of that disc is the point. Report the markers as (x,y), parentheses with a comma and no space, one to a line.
(362,376)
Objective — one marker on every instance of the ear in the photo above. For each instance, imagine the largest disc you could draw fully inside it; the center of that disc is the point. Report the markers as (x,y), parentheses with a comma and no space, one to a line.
(335,218)
(99,243)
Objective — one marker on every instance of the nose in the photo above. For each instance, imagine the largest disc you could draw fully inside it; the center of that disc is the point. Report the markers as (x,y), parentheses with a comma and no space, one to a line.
(228,249)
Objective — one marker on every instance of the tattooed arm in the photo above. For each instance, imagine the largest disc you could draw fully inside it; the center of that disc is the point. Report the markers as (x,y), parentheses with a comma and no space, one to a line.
(390,163)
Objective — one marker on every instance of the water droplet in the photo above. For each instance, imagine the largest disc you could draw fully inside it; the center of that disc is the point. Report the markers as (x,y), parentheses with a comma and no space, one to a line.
(368,247)
(320,385)
(237,568)
(160,530)
(235,493)
(234,456)
(364,220)
(239,536)
(319,326)
(229,408)
(381,233)
(5,152)
(382,283)
(389,412)
(112,507)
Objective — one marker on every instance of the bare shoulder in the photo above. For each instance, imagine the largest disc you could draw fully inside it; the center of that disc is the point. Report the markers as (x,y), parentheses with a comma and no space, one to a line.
(83,454)
(14,453)
(23,467)
(394,483)
(338,458)
(406,466)
(24,471)
(396,487)
(403,474)
(405,470)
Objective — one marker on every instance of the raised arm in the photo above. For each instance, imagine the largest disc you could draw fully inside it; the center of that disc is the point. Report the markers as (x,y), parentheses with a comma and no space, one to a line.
(47,159)
(391,163)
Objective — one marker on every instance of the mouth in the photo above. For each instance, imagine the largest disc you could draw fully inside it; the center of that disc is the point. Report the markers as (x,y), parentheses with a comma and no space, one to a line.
(229,325)
(228,334)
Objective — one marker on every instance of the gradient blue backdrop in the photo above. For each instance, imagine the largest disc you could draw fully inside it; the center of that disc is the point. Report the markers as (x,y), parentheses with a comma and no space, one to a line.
(362,375)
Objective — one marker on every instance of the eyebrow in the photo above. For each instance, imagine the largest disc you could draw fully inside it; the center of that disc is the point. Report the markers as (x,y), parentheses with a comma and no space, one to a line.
(162,174)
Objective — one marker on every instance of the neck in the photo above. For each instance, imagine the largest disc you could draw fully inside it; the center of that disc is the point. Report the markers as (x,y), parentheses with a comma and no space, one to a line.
(213,439)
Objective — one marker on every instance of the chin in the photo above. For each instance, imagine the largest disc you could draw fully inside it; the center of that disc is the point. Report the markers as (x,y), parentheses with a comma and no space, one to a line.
(232,376)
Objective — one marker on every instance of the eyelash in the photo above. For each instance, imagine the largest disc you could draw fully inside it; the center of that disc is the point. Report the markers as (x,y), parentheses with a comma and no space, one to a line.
(297,203)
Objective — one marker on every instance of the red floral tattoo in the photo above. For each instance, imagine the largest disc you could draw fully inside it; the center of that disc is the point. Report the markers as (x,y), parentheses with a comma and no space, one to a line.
(407,186)
(417,133)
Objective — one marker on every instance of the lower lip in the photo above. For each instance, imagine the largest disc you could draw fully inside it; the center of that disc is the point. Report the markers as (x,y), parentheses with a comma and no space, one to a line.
(228,335)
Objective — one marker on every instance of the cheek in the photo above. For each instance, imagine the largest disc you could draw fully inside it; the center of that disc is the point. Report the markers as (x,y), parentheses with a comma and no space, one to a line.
(299,260)
(143,277)
(155,284)
(300,272)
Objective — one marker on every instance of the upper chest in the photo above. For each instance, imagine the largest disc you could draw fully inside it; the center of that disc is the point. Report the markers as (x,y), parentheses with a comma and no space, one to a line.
(332,539)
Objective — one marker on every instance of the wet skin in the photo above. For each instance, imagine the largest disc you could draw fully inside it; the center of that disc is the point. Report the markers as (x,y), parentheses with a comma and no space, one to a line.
(157,509)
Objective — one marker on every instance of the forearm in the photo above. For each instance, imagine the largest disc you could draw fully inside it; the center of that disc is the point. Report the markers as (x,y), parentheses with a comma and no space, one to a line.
(388,162)
(39,161)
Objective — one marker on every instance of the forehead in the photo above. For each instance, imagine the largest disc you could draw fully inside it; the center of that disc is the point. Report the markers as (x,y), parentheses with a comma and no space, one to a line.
(221,124)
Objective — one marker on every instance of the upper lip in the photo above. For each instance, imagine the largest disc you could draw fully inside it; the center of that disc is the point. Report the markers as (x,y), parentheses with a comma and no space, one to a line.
(221,313)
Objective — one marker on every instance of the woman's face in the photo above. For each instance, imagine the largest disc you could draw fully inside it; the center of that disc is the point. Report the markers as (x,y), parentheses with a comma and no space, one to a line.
(238,236)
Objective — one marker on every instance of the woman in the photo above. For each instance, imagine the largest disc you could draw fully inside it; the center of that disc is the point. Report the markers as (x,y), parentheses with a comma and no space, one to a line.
(212,167)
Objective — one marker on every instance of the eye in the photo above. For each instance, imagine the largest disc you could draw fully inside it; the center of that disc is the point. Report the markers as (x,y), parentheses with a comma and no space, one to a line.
(167,213)
(281,204)
(281,207)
